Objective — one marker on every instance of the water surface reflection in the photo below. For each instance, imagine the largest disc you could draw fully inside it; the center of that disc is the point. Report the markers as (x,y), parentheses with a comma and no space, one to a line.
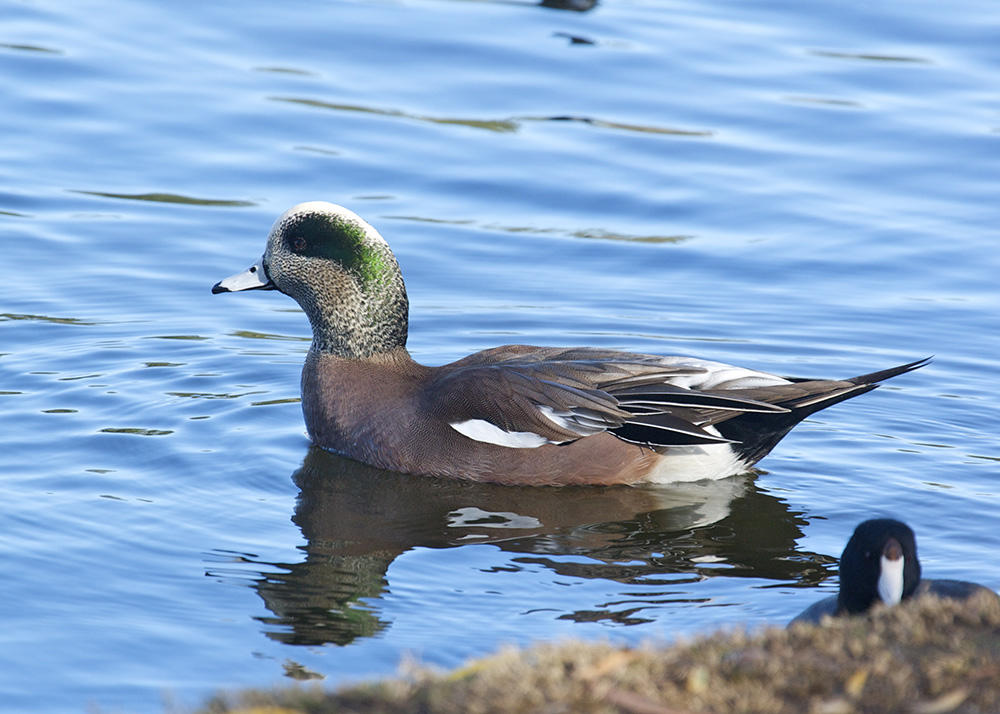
(357,519)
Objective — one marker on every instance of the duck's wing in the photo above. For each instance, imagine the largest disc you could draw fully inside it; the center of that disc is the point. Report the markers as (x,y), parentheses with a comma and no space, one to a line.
(521,396)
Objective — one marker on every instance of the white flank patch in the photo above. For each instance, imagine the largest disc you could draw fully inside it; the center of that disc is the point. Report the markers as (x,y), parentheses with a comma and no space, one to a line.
(482,430)
(890,581)
(697,463)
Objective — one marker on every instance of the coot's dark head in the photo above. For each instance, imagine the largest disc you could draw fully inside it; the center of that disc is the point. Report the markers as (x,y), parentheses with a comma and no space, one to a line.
(878,563)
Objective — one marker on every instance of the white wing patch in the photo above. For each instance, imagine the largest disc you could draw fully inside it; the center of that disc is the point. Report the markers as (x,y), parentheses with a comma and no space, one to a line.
(482,430)
(717,375)
(890,581)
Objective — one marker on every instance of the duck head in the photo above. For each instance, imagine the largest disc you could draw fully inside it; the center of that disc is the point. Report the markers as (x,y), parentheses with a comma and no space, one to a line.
(341,272)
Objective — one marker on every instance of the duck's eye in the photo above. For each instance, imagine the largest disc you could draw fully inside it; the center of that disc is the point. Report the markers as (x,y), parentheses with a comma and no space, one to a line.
(298,244)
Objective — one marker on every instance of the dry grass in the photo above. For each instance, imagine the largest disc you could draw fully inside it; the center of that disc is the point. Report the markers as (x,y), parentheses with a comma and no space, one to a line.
(928,656)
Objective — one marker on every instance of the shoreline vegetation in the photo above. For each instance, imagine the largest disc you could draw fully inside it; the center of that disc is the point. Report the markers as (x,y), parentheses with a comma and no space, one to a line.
(926,656)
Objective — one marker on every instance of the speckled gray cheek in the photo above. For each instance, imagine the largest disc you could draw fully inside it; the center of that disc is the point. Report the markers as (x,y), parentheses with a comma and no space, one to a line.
(351,314)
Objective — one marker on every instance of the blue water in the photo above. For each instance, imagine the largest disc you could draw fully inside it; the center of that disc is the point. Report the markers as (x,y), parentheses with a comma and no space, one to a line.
(806,189)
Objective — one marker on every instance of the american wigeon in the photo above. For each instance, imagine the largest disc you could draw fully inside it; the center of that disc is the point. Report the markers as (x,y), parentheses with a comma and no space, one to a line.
(880,564)
(512,414)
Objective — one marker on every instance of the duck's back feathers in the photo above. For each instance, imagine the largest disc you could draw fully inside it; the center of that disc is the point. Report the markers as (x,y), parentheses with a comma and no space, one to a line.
(546,395)
(565,394)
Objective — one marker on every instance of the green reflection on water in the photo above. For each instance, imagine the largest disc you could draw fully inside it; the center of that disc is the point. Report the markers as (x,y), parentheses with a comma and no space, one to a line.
(251,335)
(135,431)
(607,235)
(270,402)
(870,57)
(30,48)
(174,337)
(317,150)
(626,127)
(45,318)
(499,125)
(825,101)
(211,395)
(509,125)
(285,70)
(167,198)
(590,234)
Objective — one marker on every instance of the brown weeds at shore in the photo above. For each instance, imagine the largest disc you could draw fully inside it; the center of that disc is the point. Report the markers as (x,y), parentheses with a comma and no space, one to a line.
(928,656)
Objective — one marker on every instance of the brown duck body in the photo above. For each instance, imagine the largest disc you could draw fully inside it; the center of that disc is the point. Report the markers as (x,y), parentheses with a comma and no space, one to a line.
(397,414)
(515,414)
(374,411)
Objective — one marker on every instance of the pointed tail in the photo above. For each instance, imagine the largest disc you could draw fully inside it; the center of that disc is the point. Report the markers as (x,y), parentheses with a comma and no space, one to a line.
(882,375)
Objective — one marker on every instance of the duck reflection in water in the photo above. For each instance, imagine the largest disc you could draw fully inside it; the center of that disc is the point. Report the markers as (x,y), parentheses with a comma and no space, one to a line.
(574,5)
(357,519)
